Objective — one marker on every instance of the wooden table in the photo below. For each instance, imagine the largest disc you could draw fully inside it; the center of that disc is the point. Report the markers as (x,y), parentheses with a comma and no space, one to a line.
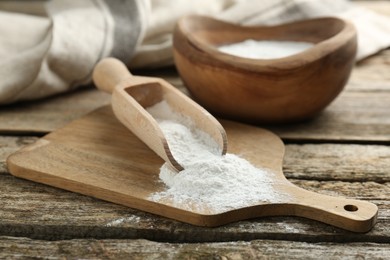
(343,152)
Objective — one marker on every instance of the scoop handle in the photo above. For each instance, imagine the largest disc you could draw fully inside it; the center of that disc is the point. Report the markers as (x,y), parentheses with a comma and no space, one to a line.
(108,73)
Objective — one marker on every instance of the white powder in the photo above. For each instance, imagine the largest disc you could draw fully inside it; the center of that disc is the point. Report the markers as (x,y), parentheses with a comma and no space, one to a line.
(186,142)
(121,221)
(209,181)
(265,49)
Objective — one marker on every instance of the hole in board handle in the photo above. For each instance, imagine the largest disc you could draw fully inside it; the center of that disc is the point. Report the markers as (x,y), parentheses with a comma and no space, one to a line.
(351,208)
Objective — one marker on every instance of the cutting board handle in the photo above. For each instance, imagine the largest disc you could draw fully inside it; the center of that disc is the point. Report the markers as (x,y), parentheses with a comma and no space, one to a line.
(349,214)
(108,73)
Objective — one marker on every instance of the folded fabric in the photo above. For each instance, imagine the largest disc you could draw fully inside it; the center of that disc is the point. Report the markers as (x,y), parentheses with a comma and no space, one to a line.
(42,56)
(46,55)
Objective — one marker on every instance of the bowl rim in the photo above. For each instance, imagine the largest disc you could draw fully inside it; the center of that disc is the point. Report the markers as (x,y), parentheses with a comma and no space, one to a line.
(317,51)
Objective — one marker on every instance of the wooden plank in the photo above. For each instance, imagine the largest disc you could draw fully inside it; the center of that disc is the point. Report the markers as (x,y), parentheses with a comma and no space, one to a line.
(38,211)
(9,145)
(357,163)
(371,74)
(11,247)
(357,115)
(39,117)
(373,68)
(353,117)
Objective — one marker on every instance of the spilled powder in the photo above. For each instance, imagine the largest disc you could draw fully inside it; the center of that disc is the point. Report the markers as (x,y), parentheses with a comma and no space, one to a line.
(209,180)
(264,49)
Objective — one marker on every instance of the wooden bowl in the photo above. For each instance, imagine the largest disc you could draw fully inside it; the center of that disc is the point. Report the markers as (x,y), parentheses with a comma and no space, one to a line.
(282,90)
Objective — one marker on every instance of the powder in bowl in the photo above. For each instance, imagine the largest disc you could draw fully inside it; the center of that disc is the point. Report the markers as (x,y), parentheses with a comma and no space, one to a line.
(265,49)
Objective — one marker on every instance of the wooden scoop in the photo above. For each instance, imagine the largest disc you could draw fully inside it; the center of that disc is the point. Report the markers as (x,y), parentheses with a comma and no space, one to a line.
(132,94)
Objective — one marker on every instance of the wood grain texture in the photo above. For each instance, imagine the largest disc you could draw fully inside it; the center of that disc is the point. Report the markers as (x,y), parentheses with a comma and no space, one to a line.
(9,145)
(144,249)
(371,74)
(97,156)
(352,169)
(39,117)
(38,211)
(344,162)
(359,114)
(355,117)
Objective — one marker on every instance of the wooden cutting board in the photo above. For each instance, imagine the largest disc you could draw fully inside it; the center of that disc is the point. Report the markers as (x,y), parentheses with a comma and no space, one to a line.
(97,156)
